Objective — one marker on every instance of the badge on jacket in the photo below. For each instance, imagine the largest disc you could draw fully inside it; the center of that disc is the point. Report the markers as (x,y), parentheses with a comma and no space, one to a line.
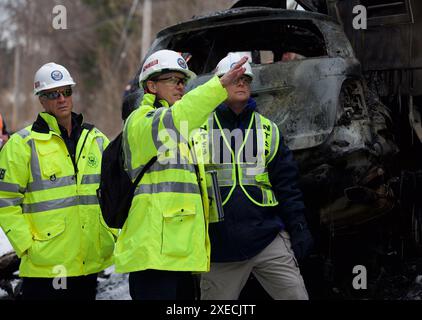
(92,160)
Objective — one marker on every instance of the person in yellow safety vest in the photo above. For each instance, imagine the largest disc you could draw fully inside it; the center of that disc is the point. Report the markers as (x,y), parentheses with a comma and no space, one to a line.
(257,177)
(49,173)
(165,236)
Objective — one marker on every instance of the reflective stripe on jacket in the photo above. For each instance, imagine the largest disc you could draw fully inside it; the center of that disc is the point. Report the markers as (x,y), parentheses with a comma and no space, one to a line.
(167,226)
(48,205)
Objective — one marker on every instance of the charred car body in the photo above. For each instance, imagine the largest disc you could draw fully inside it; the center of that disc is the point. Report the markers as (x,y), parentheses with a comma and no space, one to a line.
(335,114)
(390,53)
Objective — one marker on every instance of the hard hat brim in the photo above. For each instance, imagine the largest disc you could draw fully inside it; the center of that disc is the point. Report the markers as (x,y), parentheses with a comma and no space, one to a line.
(54,85)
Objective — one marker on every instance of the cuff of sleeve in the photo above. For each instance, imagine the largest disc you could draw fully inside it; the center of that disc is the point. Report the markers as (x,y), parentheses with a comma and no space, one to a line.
(21,246)
(220,91)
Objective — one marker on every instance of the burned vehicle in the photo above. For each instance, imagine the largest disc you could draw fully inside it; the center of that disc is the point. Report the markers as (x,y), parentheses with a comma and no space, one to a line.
(335,115)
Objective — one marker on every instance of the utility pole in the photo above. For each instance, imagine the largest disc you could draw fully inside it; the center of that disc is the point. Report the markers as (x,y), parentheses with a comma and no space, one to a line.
(16,89)
(146,27)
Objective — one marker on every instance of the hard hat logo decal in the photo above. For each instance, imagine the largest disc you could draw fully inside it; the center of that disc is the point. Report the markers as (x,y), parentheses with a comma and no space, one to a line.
(149,65)
(182,63)
(233,64)
(37,85)
(56,75)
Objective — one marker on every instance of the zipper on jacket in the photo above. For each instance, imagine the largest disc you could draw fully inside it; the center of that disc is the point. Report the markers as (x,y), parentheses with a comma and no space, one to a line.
(75,164)
(195,165)
(68,153)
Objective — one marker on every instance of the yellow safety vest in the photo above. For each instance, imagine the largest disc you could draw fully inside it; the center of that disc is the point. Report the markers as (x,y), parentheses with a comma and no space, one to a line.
(48,207)
(167,225)
(253,172)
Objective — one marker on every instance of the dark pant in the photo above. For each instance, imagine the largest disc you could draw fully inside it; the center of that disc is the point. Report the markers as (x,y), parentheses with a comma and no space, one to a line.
(162,285)
(77,288)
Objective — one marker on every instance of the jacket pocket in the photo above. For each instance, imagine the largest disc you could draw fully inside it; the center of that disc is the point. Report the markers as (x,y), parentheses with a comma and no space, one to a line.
(178,229)
(48,248)
(106,239)
(50,158)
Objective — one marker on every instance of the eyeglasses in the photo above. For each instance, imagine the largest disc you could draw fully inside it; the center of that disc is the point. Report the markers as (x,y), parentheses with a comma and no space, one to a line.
(174,81)
(53,95)
(245,79)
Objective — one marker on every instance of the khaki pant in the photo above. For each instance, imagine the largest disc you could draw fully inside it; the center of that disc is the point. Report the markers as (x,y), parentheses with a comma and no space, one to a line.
(275,268)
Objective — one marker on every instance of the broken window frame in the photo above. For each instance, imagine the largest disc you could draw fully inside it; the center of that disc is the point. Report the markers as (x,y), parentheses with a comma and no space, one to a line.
(214,48)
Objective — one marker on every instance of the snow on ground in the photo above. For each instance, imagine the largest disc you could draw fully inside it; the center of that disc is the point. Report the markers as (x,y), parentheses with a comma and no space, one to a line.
(5,245)
(3,294)
(113,287)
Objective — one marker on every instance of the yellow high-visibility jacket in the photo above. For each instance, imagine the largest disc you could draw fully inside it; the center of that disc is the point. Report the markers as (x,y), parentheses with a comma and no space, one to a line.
(48,206)
(167,225)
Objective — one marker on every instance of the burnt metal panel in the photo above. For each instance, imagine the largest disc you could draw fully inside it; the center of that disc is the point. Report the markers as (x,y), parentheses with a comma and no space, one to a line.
(384,44)
(301,97)
(389,49)
(388,12)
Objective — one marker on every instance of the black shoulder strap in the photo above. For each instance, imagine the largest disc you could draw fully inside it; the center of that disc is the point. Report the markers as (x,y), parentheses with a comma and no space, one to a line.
(141,174)
(87,126)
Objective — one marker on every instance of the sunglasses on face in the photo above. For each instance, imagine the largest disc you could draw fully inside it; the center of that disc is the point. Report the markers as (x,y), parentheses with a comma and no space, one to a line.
(53,95)
(245,80)
(174,81)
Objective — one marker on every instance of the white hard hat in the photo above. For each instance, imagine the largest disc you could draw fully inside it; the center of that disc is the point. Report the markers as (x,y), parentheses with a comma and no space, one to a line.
(51,75)
(164,60)
(229,61)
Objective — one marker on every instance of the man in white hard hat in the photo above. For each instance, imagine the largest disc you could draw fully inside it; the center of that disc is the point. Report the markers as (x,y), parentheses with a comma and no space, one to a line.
(48,205)
(262,203)
(165,236)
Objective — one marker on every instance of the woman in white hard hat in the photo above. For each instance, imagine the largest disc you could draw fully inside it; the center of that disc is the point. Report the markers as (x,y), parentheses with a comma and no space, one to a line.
(165,236)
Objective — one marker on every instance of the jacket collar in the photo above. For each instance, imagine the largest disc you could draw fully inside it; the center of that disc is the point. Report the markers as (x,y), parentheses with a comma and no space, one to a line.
(47,124)
(223,111)
(151,100)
